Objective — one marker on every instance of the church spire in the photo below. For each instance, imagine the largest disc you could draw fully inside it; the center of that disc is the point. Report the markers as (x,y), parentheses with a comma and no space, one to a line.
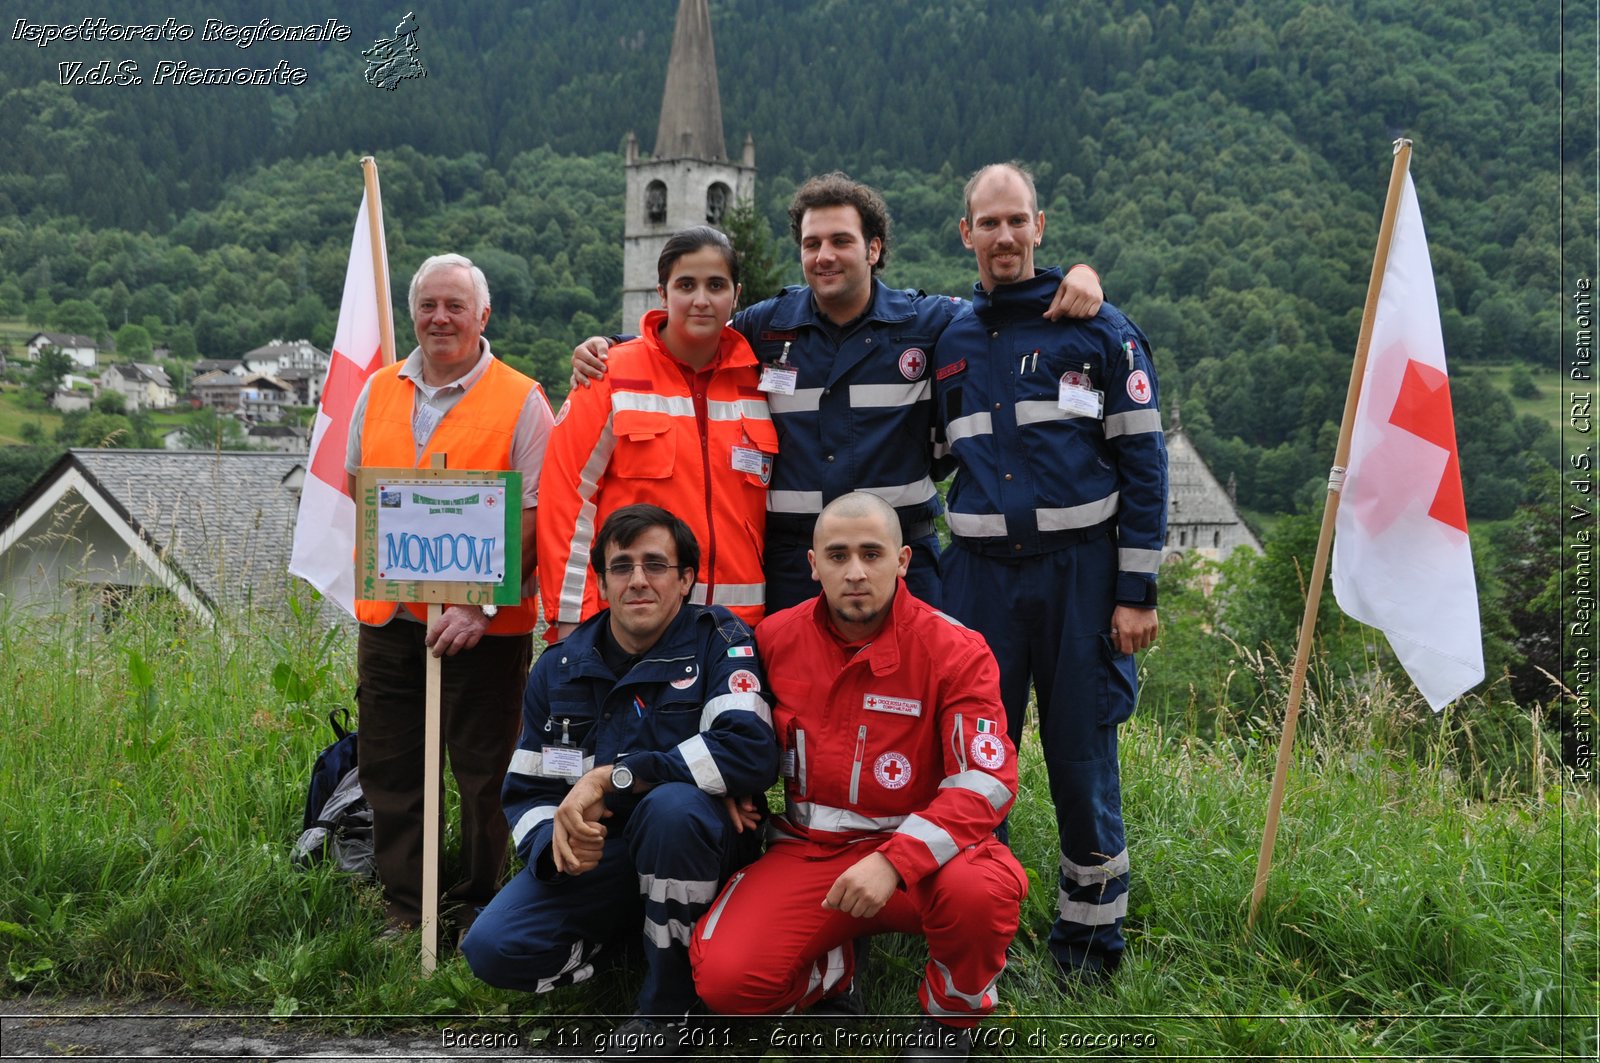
(691,108)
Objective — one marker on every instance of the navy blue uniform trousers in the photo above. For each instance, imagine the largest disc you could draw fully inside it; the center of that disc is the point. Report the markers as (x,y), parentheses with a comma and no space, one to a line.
(1047,619)
(664,868)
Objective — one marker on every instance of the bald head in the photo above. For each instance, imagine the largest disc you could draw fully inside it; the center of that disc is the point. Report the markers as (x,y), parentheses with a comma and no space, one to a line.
(861,505)
(858,556)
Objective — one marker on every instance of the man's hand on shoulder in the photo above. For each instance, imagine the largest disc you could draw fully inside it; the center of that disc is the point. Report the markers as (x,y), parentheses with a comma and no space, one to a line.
(589,360)
(458,628)
(864,888)
(1080,295)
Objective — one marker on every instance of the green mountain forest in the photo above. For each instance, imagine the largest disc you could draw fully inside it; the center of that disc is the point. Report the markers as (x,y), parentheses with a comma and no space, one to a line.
(1222,165)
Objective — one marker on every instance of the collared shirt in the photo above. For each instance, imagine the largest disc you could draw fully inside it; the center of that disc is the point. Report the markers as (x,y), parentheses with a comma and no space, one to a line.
(528,440)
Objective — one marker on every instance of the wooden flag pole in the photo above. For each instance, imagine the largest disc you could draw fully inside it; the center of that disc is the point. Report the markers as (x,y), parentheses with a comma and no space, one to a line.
(1319,567)
(380,258)
(432,772)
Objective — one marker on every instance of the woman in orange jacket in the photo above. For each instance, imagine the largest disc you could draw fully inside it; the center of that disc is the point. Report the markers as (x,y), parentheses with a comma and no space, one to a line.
(679,421)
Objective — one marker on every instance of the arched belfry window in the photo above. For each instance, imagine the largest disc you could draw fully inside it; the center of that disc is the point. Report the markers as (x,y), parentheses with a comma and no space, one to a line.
(655,203)
(716,203)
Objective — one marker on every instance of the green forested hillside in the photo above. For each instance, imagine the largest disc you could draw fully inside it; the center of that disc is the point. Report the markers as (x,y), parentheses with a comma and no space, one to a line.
(1222,165)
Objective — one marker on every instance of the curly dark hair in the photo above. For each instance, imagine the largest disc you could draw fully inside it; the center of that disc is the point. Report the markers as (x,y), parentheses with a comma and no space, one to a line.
(837,189)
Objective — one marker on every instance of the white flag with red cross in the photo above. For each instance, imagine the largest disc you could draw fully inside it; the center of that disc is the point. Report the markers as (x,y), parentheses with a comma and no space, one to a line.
(325,530)
(1402,561)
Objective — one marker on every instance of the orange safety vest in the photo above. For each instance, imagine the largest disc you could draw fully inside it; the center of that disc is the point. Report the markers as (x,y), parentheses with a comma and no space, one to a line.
(634,436)
(475,434)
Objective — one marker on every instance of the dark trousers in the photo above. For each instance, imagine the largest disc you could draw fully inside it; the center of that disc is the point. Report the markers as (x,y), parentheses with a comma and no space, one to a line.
(480,715)
(1047,619)
(661,870)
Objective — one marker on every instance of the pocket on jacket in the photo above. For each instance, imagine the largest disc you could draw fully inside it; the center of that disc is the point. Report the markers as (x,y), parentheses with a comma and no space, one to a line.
(646,444)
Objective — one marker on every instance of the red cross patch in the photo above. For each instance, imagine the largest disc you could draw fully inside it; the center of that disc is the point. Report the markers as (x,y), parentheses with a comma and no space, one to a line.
(743,682)
(892,770)
(1138,386)
(988,751)
(912,362)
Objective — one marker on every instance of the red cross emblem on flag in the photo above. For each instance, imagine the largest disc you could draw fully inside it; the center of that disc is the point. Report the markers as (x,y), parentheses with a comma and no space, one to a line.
(489,500)
(1138,386)
(988,751)
(912,362)
(743,682)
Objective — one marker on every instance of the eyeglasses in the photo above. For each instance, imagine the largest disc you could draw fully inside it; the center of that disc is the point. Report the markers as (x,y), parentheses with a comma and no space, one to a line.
(624,569)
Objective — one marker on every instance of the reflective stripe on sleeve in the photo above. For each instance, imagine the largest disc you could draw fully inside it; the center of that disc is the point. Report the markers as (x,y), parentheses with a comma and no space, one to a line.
(1130,560)
(935,837)
(531,819)
(981,783)
(1134,422)
(569,608)
(702,765)
(734,703)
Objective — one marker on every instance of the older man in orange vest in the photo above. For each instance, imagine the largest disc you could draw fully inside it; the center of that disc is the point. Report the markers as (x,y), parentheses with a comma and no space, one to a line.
(450,396)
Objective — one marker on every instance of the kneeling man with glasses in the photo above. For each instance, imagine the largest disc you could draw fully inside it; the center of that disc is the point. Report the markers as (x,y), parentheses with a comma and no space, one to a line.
(635,727)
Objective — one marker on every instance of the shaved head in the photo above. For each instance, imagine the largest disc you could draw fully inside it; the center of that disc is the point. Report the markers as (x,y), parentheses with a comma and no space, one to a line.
(859,504)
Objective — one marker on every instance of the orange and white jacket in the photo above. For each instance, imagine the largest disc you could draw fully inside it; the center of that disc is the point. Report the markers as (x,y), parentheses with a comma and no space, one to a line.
(640,434)
(476,433)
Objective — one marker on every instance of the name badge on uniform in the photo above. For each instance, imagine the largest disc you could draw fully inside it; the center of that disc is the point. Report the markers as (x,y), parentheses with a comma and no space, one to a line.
(898,706)
(1078,399)
(747,460)
(562,762)
(779,379)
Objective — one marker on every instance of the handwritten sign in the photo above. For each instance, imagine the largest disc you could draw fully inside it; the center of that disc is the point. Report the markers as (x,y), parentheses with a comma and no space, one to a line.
(445,535)
(442,530)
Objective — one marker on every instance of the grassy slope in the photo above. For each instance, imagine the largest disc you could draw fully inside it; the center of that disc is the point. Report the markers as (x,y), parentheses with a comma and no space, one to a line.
(148,838)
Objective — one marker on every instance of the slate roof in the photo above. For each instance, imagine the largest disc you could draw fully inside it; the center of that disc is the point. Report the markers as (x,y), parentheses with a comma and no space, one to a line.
(224,521)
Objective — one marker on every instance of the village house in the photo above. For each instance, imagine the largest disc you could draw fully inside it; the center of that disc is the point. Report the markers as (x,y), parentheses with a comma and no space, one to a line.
(100,528)
(141,385)
(81,349)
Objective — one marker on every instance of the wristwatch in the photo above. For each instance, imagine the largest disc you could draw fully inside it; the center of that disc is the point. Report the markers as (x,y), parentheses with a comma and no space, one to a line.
(621,778)
(489,610)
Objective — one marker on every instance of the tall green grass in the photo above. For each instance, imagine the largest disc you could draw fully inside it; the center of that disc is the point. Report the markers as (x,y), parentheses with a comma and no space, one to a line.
(152,780)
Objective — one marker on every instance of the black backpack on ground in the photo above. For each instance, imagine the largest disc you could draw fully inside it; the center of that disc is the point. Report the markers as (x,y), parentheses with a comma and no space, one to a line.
(338,820)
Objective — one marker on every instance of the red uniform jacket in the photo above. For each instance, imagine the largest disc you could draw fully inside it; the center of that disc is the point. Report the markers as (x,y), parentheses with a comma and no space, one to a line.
(900,746)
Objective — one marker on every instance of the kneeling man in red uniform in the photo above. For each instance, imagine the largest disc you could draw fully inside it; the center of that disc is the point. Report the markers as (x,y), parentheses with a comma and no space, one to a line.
(897,769)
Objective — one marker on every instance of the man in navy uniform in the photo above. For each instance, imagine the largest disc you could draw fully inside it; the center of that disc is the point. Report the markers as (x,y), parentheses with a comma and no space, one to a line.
(1057,516)
(635,728)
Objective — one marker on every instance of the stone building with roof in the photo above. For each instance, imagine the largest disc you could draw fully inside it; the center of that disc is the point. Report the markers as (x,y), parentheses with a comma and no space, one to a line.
(1202,515)
(99,527)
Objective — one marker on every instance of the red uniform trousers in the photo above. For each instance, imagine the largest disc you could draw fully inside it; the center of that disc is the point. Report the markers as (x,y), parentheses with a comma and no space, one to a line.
(768,946)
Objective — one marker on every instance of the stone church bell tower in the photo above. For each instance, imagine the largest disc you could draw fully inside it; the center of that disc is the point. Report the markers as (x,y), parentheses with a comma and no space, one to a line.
(689,180)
